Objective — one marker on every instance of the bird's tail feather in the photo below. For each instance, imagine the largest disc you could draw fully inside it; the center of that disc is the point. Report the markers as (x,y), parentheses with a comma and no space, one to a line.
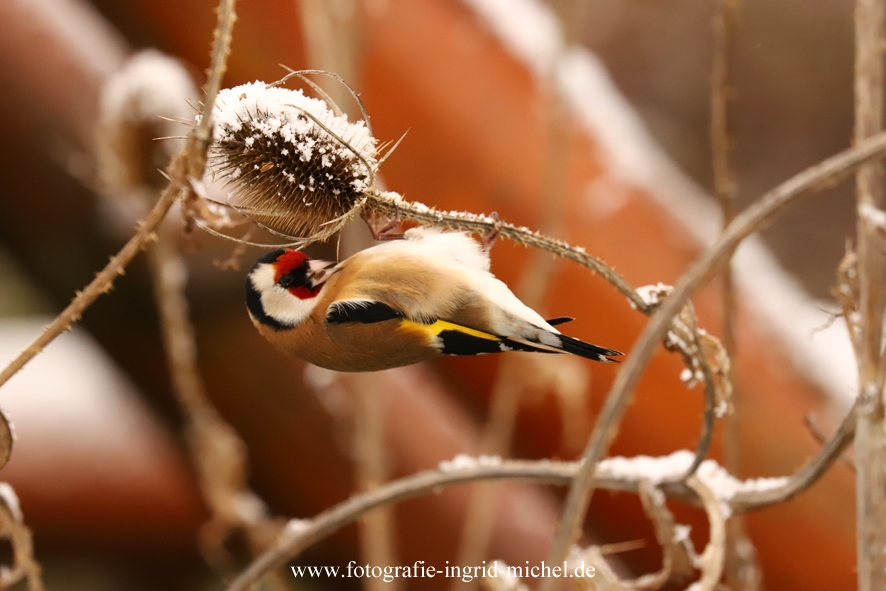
(587,350)
(567,345)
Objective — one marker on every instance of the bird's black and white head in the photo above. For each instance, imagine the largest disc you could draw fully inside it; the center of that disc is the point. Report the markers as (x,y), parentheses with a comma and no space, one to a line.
(283,287)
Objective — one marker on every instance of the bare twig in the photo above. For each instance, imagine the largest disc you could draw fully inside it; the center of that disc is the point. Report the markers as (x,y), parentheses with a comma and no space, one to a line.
(742,572)
(805,476)
(757,216)
(103,282)
(816,432)
(377,531)
(710,398)
(870,436)
(713,557)
(169,274)
(217,452)
(721,93)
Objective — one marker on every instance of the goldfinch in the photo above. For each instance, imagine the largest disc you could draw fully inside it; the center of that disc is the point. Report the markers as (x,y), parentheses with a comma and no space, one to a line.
(397,303)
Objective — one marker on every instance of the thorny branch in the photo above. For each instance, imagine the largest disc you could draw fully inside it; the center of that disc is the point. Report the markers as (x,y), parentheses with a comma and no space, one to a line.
(187,165)
(183,169)
(103,282)
(221,49)
(217,452)
(754,218)
(393,207)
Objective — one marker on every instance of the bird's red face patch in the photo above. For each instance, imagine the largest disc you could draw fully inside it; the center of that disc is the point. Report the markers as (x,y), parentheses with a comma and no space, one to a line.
(288,262)
(291,272)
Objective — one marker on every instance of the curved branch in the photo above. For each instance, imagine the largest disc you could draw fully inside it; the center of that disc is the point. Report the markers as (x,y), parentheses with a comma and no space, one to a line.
(189,163)
(805,476)
(104,281)
(297,539)
(710,401)
(754,218)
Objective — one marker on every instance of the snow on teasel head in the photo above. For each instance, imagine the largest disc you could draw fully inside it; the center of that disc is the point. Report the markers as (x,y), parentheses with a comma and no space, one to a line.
(292,164)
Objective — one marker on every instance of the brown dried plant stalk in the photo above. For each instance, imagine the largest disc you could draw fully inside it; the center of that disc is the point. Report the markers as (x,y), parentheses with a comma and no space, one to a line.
(870,438)
(742,570)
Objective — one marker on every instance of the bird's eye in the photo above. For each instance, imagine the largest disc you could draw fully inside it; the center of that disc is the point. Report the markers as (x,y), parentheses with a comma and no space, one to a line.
(286,280)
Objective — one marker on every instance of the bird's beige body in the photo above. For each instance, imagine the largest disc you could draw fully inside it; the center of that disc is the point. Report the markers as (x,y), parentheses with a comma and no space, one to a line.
(428,276)
(437,285)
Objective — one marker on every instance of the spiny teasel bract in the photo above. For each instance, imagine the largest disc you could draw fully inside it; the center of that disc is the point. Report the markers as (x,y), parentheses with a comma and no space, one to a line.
(292,164)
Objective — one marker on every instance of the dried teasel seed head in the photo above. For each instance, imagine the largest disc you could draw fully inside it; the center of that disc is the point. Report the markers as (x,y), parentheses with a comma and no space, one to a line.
(290,162)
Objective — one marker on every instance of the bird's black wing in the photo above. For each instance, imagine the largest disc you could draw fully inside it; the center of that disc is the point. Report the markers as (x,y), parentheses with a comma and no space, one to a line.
(362,311)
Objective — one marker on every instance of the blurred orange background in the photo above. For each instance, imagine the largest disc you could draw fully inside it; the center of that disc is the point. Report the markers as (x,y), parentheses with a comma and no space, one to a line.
(478,141)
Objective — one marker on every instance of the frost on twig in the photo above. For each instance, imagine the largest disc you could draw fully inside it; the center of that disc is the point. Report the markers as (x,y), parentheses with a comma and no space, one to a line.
(705,358)
(677,563)
(659,470)
(12,527)
(465,461)
(677,553)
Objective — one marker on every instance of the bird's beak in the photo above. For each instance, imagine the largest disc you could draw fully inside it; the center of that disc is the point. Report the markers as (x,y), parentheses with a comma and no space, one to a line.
(319,271)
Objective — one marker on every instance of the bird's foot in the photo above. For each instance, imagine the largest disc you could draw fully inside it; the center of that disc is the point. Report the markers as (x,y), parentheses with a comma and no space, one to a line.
(489,237)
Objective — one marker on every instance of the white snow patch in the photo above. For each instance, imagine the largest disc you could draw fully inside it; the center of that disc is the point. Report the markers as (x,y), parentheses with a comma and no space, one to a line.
(530,30)
(150,84)
(297,526)
(70,403)
(652,295)
(465,461)
(280,114)
(7,493)
(875,217)
(659,469)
